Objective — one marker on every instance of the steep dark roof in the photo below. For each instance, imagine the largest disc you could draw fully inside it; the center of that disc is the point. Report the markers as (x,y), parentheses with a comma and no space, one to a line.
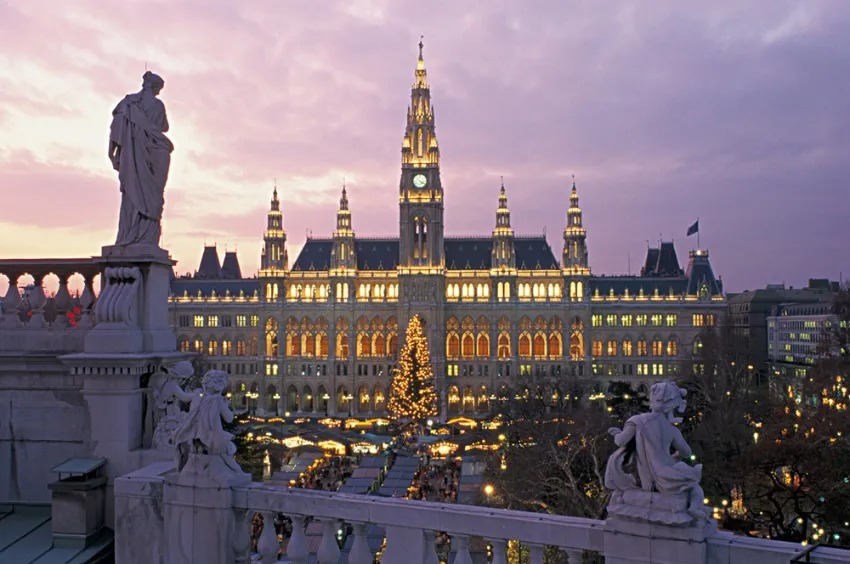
(662,261)
(210,266)
(230,267)
(700,273)
(193,287)
(532,253)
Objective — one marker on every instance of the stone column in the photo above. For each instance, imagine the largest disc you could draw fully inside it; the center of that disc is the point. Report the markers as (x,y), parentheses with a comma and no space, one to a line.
(200,524)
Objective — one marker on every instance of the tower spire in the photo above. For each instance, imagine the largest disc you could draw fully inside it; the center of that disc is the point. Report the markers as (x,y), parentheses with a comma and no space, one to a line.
(343,257)
(503,234)
(575,236)
(419,147)
(274,257)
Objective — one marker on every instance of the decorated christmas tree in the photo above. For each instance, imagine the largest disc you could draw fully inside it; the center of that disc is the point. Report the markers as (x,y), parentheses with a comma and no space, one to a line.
(412,393)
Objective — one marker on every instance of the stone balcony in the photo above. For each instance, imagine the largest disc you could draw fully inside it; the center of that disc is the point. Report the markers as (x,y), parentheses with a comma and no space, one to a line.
(147,498)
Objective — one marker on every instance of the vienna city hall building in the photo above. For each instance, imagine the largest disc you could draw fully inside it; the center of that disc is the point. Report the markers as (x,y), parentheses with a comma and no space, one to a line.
(500,310)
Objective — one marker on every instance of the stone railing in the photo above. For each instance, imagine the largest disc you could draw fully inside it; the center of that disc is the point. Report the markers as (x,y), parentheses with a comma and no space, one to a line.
(145,499)
(33,310)
(410,526)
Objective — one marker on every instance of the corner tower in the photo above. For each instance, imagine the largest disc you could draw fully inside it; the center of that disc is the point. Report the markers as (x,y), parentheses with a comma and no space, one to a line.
(275,259)
(420,190)
(576,267)
(343,254)
(504,258)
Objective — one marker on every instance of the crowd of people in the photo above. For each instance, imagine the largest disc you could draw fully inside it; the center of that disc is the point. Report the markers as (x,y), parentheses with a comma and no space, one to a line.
(328,476)
(436,482)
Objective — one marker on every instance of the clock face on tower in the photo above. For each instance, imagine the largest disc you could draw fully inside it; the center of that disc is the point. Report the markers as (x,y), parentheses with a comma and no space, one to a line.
(420,181)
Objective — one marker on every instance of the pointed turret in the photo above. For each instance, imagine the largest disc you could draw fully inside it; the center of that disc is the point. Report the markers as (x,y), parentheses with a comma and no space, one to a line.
(419,147)
(274,258)
(343,255)
(576,267)
(503,235)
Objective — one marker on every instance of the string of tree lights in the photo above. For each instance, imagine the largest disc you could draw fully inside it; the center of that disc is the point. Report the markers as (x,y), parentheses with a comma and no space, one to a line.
(412,392)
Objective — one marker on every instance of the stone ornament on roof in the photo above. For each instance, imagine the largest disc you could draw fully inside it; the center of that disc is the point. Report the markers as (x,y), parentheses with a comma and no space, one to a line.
(201,432)
(167,396)
(649,482)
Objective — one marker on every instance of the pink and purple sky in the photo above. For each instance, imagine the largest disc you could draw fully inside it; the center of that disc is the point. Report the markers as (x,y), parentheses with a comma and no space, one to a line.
(736,112)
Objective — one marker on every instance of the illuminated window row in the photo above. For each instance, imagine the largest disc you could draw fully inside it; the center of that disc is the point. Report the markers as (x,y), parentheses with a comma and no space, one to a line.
(641,347)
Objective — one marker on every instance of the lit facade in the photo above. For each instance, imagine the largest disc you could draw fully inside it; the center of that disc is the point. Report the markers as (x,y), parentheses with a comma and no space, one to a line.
(799,334)
(322,335)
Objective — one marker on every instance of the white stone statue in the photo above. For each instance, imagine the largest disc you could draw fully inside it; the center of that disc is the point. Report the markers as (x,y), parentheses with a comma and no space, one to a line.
(167,397)
(141,154)
(646,441)
(201,431)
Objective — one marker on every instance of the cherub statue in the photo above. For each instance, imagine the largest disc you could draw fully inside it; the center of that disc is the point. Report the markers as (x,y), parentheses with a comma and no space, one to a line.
(167,397)
(201,432)
(647,438)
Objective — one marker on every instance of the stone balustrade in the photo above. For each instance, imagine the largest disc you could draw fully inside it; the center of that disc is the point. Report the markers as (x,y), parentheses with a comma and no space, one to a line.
(33,310)
(143,498)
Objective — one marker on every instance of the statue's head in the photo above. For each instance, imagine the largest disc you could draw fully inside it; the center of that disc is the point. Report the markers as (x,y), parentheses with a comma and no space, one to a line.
(667,397)
(215,381)
(182,370)
(152,82)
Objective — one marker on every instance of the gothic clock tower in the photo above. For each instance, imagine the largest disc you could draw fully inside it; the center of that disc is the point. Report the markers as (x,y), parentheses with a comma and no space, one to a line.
(420,189)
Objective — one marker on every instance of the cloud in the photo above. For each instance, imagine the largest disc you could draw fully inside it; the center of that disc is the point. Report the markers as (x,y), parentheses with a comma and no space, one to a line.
(733,113)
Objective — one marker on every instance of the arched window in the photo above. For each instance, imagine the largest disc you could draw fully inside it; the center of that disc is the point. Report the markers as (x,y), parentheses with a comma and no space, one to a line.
(453,346)
(467,346)
(468,399)
(555,350)
(596,347)
(672,347)
(483,399)
(212,347)
(524,345)
(504,346)
(453,397)
(185,346)
(483,346)
(576,339)
(271,337)
(539,345)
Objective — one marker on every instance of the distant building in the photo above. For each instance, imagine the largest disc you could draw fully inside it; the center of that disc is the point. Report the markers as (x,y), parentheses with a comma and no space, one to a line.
(749,312)
(799,334)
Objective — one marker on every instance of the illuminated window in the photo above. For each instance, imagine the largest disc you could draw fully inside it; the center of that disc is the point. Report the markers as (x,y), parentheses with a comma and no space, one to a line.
(657,348)
(698,347)
(241,348)
(612,348)
(212,321)
(641,348)
(672,319)
(198,321)
(212,347)
(643,369)
(596,347)
(626,320)
(596,320)
(185,346)
(658,370)
(198,345)
(255,320)
(241,320)
(710,320)
(698,320)
(226,348)
(641,319)
(611,320)
(672,348)
(627,348)
(656,319)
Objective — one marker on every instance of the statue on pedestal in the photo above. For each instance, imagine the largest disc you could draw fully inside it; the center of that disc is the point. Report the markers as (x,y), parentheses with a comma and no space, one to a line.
(201,431)
(663,486)
(167,396)
(141,153)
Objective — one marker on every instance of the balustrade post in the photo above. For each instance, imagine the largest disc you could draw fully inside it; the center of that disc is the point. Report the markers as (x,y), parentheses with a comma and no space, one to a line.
(242,542)
(461,548)
(500,551)
(62,303)
(535,553)
(298,548)
(574,555)
(328,552)
(268,544)
(430,556)
(36,301)
(12,304)
(360,552)
(86,305)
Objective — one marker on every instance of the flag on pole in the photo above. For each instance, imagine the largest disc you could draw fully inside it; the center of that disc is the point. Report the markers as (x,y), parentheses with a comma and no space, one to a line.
(693,229)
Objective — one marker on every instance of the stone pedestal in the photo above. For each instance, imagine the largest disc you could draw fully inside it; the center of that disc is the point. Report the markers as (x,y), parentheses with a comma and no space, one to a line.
(648,527)
(200,523)
(77,511)
(131,313)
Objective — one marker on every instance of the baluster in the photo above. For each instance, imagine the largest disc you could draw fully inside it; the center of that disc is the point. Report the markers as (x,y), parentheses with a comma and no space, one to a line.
(535,552)
(298,548)
(242,542)
(12,304)
(62,303)
(462,555)
(36,301)
(360,553)
(500,548)
(86,305)
(267,544)
(328,552)
(430,549)
(574,554)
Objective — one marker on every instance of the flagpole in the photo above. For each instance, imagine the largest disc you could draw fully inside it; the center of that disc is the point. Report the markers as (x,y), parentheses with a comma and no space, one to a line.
(698,247)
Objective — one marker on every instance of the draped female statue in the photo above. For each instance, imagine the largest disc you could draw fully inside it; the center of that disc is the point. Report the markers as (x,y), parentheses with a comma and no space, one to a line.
(141,153)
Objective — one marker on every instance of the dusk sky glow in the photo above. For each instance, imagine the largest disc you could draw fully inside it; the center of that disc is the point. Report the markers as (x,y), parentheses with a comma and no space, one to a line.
(734,112)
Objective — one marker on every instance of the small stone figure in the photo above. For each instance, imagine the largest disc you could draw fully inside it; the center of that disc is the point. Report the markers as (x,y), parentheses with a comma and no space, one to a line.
(141,153)
(201,431)
(646,440)
(167,397)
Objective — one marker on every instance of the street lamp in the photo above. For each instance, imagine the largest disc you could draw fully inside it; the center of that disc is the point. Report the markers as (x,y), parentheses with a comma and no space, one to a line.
(326,397)
(348,398)
(276,397)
